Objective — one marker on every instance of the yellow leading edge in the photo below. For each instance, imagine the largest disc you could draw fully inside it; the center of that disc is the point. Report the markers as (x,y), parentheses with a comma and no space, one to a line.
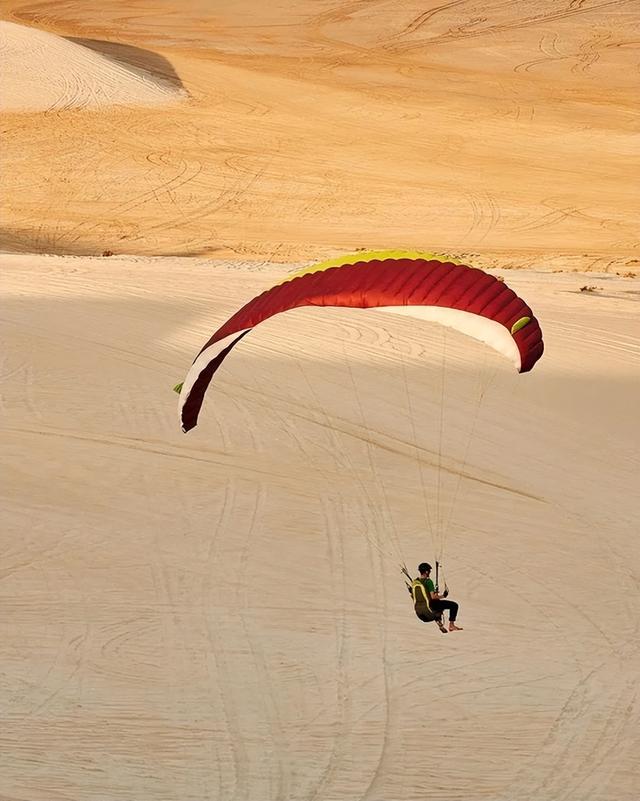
(371,255)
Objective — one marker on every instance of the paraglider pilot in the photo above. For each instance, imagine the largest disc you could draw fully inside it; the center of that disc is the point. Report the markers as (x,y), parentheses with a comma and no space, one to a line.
(438,602)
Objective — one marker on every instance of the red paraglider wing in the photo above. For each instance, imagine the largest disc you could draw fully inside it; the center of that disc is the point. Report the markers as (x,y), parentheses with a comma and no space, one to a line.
(456,295)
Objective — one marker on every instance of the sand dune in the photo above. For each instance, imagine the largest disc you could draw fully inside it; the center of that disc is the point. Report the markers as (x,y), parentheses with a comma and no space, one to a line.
(507,134)
(44,72)
(220,615)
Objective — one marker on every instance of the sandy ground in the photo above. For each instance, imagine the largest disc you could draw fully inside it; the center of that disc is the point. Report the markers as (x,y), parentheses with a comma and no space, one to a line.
(220,616)
(503,130)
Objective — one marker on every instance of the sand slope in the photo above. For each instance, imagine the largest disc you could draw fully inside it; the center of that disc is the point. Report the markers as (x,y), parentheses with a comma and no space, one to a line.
(220,616)
(507,131)
(44,72)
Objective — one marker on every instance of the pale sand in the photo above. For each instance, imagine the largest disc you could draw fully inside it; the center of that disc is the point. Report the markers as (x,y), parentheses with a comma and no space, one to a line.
(44,72)
(211,616)
(507,131)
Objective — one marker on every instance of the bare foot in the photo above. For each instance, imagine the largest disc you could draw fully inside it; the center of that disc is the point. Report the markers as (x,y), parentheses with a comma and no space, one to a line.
(453,627)
(441,626)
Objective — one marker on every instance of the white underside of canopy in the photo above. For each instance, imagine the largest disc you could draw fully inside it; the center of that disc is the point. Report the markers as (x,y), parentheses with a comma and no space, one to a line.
(207,355)
(494,334)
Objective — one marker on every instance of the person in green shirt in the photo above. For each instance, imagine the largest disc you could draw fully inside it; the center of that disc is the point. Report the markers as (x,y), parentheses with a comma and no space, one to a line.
(437,602)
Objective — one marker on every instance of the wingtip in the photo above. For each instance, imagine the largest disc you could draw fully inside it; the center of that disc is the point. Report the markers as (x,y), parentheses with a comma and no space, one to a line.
(186,427)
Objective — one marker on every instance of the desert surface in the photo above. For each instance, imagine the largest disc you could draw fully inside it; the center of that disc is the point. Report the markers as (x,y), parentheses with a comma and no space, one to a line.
(221,615)
(506,131)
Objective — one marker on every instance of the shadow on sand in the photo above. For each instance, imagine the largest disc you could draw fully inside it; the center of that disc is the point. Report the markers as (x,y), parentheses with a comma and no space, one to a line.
(28,240)
(134,59)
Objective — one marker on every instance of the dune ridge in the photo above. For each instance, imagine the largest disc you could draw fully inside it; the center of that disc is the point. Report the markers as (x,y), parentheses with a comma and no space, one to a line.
(42,71)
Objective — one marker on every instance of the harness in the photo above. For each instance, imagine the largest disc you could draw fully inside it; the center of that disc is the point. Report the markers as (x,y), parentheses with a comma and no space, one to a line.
(421,602)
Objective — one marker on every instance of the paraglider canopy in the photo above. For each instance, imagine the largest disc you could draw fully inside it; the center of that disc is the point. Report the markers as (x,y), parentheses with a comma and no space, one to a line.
(411,283)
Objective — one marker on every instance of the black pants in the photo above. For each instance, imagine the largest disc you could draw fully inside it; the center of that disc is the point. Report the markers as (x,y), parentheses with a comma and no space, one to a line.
(441,605)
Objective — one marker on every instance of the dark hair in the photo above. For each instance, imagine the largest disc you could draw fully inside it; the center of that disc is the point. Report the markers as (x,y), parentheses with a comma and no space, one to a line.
(424,567)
